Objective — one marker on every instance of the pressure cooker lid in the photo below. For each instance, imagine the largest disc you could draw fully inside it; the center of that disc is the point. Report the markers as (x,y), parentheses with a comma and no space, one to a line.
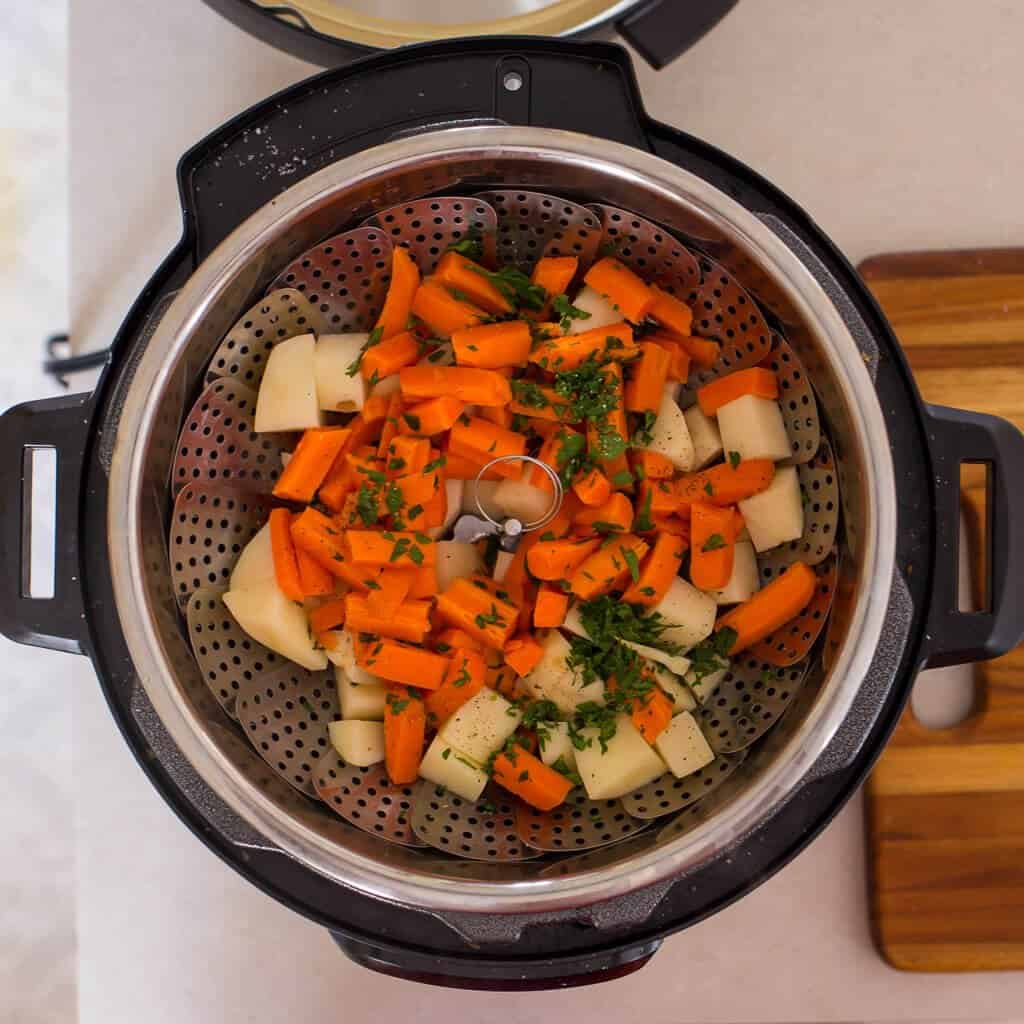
(330,32)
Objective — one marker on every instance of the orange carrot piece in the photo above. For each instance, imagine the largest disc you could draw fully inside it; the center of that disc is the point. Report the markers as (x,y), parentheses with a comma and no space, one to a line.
(315,580)
(457,467)
(390,426)
(646,385)
(675,314)
(499,415)
(391,589)
(657,498)
(410,622)
(567,353)
(771,607)
(405,730)
(416,489)
(442,312)
(374,409)
(608,568)
(615,514)
(457,640)
(503,679)
(593,487)
(559,559)
(648,465)
(652,713)
(554,274)
(658,571)
(286,565)
(674,525)
(624,289)
(434,416)
(725,484)
(388,357)
(310,463)
(322,538)
(479,613)
(679,358)
(405,280)
(407,454)
(613,431)
(539,402)
(465,678)
(531,780)
(466,383)
(329,615)
(491,346)
(523,653)
(460,274)
(551,607)
(401,663)
(481,441)
(398,549)
(713,546)
(348,474)
(756,381)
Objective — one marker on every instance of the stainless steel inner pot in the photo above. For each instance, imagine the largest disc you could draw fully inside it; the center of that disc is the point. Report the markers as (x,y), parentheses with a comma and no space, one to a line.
(169,375)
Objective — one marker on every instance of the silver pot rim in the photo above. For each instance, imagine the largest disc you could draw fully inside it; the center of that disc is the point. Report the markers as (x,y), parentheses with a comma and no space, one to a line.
(767,791)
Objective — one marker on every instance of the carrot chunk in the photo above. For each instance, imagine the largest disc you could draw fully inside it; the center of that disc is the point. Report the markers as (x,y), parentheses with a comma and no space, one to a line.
(401,663)
(725,484)
(463,275)
(491,346)
(477,612)
(624,289)
(771,607)
(310,463)
(551,607)
(646,385)
(713,545)
(658,571)
(569,352)
(466,383)
(405,729)
(405,280)
(286,566)
(388,357)
(675,314)
(609,568)
(465,678)
(522,773)
(757,381)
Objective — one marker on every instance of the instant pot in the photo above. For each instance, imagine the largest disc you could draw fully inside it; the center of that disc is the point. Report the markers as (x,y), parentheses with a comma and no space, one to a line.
(462,117)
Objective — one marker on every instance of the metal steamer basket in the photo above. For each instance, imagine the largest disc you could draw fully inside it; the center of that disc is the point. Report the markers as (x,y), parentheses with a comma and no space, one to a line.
(162,481)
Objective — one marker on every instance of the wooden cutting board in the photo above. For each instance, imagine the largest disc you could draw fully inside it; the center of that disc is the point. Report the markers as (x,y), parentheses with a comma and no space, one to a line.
(945,808)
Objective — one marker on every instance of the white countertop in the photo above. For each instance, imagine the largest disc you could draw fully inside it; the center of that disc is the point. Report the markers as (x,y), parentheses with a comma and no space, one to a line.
(898,126)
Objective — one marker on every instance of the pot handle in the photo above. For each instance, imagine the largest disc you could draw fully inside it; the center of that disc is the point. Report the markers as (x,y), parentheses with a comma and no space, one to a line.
(953,637)
(661,30)
(59,425)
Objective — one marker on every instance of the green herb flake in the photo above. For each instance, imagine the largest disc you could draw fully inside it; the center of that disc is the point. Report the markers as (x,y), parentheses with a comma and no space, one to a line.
(714,543)
(734,459)
(373,338)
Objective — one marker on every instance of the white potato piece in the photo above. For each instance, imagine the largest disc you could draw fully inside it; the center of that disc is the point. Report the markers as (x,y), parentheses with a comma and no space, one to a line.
(522,501)
(675,689)
(744,581)
(704,686)
(557,744)
(690,611)
(501,565)
(287,398)
(336,391)
(273,620)
(455,558)
(683,746)
(255,565)
(670,435)
(481,725)
(707,441)
(552,679)
(776,515)
(602,312)
(343,654)
(358,743)
(445,766)
(673,662)
(754,427)
(628,762)
(574,622)
(484,489)
(361,701)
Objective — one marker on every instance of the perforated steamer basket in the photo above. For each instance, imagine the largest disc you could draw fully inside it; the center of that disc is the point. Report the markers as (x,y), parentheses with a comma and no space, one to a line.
(398,905)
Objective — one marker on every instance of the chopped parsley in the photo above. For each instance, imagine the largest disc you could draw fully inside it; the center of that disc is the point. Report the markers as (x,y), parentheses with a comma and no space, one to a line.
(366,505)
(492,618)
(734,459)
(714,543)
(373,338)
(634,564)
(471,246)
(412,420)
(516,287)
(623,478)
(589,391)
(643,522)
(643,435)
(563,768)
(567,312)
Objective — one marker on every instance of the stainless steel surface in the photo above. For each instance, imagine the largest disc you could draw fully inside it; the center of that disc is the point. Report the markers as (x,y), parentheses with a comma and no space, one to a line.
(218,444)
(209,528)
(554,162)
(344,279)
(366,798)
(484,830)
(278,315)
(533,224)
(429,226)
(284,713)
(796,398)
(228,658)
(578,824)
(669,795)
